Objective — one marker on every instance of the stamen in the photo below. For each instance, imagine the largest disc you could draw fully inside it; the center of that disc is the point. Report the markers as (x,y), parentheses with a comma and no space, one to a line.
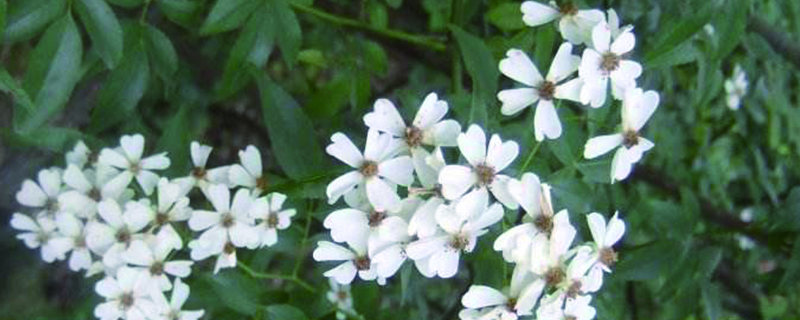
(368,168)
(413,136)
(485,174)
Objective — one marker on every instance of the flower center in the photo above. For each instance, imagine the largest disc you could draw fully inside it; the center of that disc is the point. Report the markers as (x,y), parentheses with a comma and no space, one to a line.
(123,236)
(375,218)
(229,248)
(261,183)
(93,156)
(80,241)
(511,304)
(610,62)
(544,223)
(554,276)
(362,263)
(368,168)
(568,9)
(341,295)
(227,220)
(157,268)
(574,289)
(95,194)
(570,317)
(199,173)
(485,174)
(608,257)
(161,218)
(42,237)
(413,136)
(547,90)
(126,301)
(135,168)
(272,220)
(51,205)
(630,138)
(458,242)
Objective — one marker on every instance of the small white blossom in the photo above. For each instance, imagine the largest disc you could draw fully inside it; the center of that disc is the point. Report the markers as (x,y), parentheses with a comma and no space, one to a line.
(129,160)
(249,173)
(39,233)
(519,300)
(614,24)
(637,107)
(89,187)
(73,238)
(534,197)
(171,207)
(606,60)
(43,197)
(150,257)
(354,260)
(485,166)
(112,237)
(519,67)
(80,156)
(577,308)
(270,218)
(126,297)
(423,220)
(377,169)
(605,236)
(340,296)
(575,25)
(173,309)
(736,88)
(200,176)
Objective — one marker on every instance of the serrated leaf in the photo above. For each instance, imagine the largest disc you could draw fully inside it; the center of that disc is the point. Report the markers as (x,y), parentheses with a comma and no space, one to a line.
(290,131)
(679,29)
(227,15)
(26,18)
(161,53)
(125,85)
(254,45)
(176,138)
(712,301)
(53,72)
(482,69)
(289,37)
(103,29)
(731,26)
(10,86)
(183,12)
(284,312)
(506,16)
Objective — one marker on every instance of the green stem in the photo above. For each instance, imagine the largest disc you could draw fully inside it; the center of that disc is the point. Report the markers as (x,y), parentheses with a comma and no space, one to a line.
(274,276)
(420,40)
(299,261)
(529,159)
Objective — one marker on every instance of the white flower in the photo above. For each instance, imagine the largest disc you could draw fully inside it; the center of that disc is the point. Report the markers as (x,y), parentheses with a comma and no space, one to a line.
(250,173)
(129,159)
(614,22)
(224,250)
(200,176)
(89,187)
(736,88)
(171,207)
(377,169)
(126,297)
(519,67)
(577,308)
(113,237)
(423,219)
(341,298)
(606,60)
(605,236)
(575,25)
(355,261)
(270,218)
(517,301)
(226,228)
(484,169)
(80,155)
(172,309)
(42,196)
(73,238)
(463,222)
(534,197)
(582,276)
(362,220)
(38,233)
(151,259)
(389,239)
(637,107)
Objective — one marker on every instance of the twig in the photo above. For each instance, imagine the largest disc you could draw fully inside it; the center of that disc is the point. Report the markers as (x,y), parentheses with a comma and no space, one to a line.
(274,276)
(776,39)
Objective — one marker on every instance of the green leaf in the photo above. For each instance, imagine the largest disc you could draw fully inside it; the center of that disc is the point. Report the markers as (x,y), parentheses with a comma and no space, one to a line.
(227,15)
(26,18)
(284,312)
(127,3)
(289,35)
(183,12)
(394,3)
(680,29)
(235,291)
(253,46)
(543,46)
(124,87)
(161,53)
(53,72)
(313,57)
(482,68)
(648,262)
(10,86)
(507,16)
(712,301)
(3,10)
(50,138)
(103,29)
(731,26)
(290,131)
(176,138)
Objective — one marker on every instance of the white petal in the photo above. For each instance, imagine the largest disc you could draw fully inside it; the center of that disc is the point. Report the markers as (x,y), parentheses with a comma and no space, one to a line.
(427,175)
(239,176)
(624,43)
(241,204)
(385,118)
(343,274)
(514,100)
(108,288)
(640,112)
(376,145)
(220,198)
(199,154)
(597,225)
(616,228)
(346,225)
(388,261)
(133,146)
(472,145)
(530,295)
(156,162)
(251,160)
(243,235)
(329,251)
(423,223)
(448,220)
(534,13)
(570,90)
(519,67)
(626,74)
(269,237)
(399,170)
(621,165)
(74,178)
(430,111)
(545,122)
(342,185)
(202,220)
(136,222)
(50,180)
(446,262)
(112,158)
(23,222)
(147,180)
(456,180)
(114,188)
(445,134)
(31,195)
(181,269)
(501,154)
(393,229)
(139,254)
(382,196)
(528,193)
(81,259)
(343,149)
(488,218)
(601,37)
(482,296)
(180,293)
(424,248)
(564,63)
(562,236)
(594,92)
(111,213)
(601,145)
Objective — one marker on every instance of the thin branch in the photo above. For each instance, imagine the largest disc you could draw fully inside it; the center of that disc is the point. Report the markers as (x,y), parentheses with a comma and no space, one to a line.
(274,276)
(777,39)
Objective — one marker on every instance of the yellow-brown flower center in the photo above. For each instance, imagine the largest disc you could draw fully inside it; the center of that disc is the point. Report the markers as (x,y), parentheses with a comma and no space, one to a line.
(126,301)
(199,173)
(630,138)
(458,242)
(272,220)
(544,223)
(368,168)
(413,136)
(554,276)
(608,257)
(362,263)
(485,174)
(123,236)
(574,289)
(227,220)
(375,218)
(229,248)
(547,90)
(568,9)
(157,269)
(610,62)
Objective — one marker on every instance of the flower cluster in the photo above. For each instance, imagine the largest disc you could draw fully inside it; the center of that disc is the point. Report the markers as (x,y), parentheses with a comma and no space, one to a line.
(736,88)
(128,233)
(603,64)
